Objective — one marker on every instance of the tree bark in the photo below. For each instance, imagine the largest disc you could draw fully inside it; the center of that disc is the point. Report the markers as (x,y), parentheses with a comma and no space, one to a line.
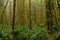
(14,5)
(3,14)
(49,13)
(30,14)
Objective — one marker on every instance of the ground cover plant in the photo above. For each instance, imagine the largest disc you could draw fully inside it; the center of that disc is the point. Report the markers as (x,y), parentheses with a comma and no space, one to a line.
(25,33)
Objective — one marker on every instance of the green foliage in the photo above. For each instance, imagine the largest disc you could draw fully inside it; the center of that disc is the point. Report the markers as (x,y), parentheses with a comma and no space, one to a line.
(56,27)
(25,32)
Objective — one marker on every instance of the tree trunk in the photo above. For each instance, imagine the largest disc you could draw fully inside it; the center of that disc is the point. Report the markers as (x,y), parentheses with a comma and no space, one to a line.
(30,14)
(58,2)
(49,13)
(14,5)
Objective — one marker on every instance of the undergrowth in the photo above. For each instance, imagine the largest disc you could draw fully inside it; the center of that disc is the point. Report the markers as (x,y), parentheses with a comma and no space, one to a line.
(38,32)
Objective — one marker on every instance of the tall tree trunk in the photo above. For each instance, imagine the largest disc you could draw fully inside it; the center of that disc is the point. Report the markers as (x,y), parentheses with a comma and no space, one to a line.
(14,5)
(10,12)
(23,12)
(3,14)
(30,14)
(13,22)
(49,13)
(1,9)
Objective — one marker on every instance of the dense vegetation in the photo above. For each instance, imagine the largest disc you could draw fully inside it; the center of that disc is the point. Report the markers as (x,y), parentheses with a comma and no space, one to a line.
(30,20)
(25,33)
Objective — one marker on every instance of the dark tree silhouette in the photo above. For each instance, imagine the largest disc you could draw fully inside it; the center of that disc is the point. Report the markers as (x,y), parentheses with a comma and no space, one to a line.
(49,13)
(14,5)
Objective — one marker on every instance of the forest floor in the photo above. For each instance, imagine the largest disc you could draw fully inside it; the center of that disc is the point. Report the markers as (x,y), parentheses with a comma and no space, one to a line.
(37,32)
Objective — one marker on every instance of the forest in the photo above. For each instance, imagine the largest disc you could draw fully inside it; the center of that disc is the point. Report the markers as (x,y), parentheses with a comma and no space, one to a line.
(29,19)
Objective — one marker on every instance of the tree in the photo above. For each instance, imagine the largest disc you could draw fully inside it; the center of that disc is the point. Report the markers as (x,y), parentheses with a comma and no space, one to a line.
(58,2)
(30,21)
(1,9)
(13,23)
(2,16)
(49,13)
